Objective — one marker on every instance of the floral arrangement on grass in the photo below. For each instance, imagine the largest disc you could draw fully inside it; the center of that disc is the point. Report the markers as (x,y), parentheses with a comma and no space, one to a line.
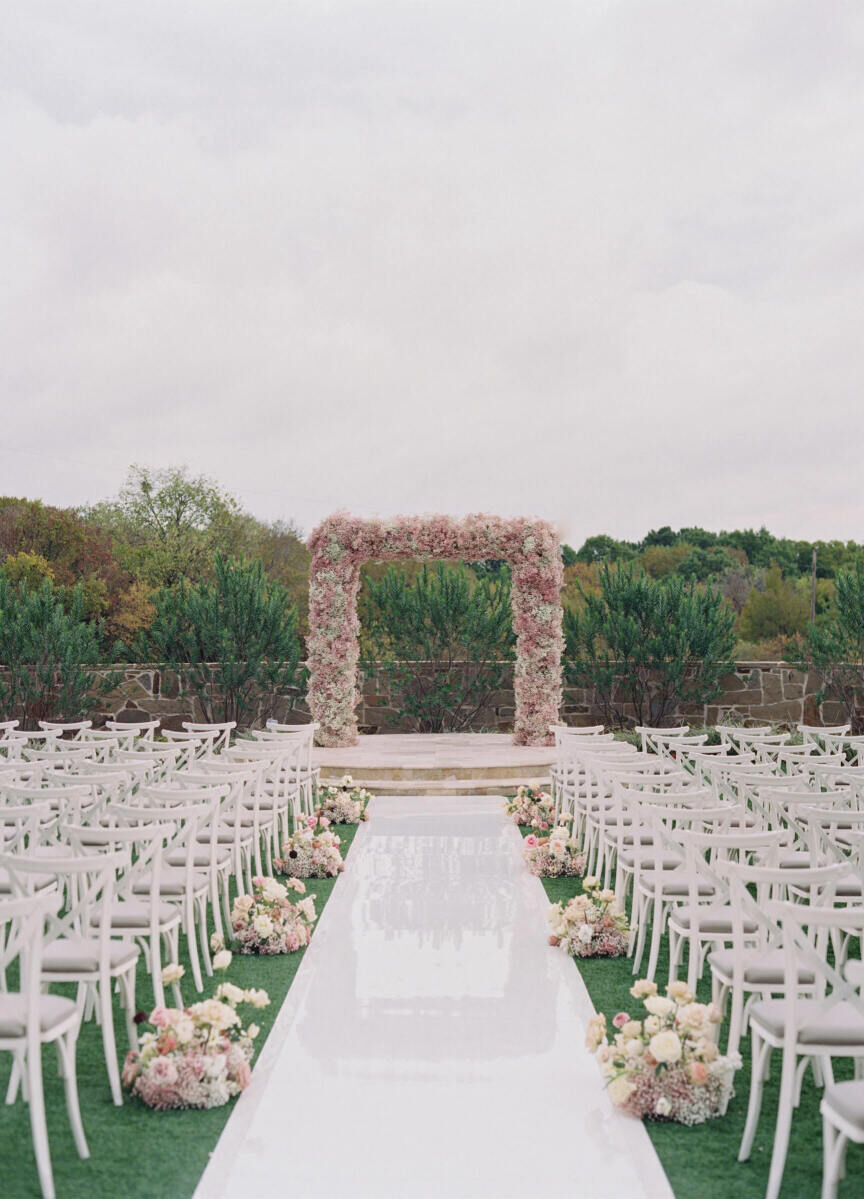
(345,804)
(268,922)
(194,1057)
(665,1066)
(532,808)
(342,543)
(555,856)
(311,851)
(590,925)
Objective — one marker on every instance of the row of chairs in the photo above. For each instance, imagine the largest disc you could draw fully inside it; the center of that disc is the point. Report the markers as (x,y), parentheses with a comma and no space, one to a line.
(746,859)
(114,848)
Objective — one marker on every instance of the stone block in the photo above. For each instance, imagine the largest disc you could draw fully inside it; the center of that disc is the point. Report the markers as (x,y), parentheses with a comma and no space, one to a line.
(772,687)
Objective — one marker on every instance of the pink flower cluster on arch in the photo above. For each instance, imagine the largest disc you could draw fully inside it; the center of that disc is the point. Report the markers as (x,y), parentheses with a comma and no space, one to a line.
(342,543)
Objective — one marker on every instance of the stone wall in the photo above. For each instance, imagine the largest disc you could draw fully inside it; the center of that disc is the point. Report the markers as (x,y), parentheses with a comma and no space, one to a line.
(755,693)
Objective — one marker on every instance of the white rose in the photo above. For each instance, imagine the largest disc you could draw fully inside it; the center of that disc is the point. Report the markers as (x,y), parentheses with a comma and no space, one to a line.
(263,926)
(634,1048)
(232,993)
(253,1031)
(257,998)
(222,960)
(586,934)
(620,1089)
(652,1025)
(665,1046)
(662,1107)
(172,973)
(273,890)
(657,1005)
(184,1029)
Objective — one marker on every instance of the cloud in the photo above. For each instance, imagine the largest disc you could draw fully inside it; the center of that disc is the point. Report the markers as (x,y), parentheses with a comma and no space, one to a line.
(599,262)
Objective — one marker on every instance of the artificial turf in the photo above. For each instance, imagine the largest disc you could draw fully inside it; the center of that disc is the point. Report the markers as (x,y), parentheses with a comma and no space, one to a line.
(136,1153)
(701,1162)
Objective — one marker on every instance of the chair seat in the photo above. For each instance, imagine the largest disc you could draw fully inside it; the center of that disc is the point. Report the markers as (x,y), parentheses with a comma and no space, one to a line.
(673,884)
(715,918)
(668,861)
(838,1025)
(172,882)
(55,1014)
(762,968)
(200,858)
(80,955)
(132,915)
(846,1100)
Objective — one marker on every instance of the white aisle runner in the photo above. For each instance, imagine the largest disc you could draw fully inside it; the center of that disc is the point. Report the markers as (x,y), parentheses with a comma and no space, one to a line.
(432,1044)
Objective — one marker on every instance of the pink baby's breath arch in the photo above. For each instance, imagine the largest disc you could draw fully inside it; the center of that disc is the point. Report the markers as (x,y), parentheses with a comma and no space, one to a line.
(342,543)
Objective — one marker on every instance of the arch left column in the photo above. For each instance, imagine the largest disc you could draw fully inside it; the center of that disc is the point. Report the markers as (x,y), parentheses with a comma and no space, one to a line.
(333,648)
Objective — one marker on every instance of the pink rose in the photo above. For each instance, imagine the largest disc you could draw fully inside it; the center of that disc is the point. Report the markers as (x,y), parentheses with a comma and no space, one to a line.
(698,1071)
(531,840)
(159,1017)
(621,1019)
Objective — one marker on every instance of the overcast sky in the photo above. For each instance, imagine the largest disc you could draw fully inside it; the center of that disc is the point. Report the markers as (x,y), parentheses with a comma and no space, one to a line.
(600,261)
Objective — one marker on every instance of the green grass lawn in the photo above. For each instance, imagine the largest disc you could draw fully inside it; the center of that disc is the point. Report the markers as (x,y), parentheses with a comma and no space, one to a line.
(136,1153)
(701,1162)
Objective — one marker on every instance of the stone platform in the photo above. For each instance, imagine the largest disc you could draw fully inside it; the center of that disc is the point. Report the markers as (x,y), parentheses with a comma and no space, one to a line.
(438,763)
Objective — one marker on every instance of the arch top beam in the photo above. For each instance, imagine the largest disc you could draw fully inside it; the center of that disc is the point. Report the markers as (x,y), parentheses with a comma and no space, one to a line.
(342,543)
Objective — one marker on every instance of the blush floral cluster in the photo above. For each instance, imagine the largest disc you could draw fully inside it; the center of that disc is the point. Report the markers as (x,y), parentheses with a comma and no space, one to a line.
(555,856)
(590,925)
(666,1066)
(531,807)
(194,1057)
(345,804)
(268,922)
(312,851)
(342,543)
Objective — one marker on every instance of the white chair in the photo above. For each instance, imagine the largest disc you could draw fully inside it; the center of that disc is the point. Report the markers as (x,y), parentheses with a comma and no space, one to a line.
(79,948)
(806,1030)
(29,1020)
(753,967)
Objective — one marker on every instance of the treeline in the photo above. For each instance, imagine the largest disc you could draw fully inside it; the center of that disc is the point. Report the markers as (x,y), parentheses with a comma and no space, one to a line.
(165,528)
(772,583)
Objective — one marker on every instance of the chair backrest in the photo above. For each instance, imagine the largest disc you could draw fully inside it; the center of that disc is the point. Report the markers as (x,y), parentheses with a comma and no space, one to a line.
(22,931)
(805,929)
(816,733)
(25,826)
(66,726)
(88,882)
(145,730)
(222,731)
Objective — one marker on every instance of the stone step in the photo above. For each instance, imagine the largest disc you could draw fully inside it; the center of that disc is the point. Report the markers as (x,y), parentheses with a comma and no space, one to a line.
(447,786)
(526,773)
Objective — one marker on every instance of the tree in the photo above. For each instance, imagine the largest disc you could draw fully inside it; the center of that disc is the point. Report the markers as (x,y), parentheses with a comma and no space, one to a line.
(834,651)
(703,564)
(781,610)
(168,526)
(646,647)
(232,641)
(285,559)
(604,548)
(457,625)
(48,650)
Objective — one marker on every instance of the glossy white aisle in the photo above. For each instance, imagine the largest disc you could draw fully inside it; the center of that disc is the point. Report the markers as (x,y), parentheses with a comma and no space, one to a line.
(432,1044)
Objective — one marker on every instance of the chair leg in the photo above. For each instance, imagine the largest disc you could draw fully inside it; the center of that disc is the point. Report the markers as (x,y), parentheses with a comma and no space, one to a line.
(109,1045)
(191,941)
(761,1051)
(656,939)
(38,1126)
(67,1046)
(833,1149)
(127,983)
(785,1108)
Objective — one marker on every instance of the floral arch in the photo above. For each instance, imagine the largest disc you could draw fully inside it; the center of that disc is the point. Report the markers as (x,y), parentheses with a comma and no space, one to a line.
(342,543)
